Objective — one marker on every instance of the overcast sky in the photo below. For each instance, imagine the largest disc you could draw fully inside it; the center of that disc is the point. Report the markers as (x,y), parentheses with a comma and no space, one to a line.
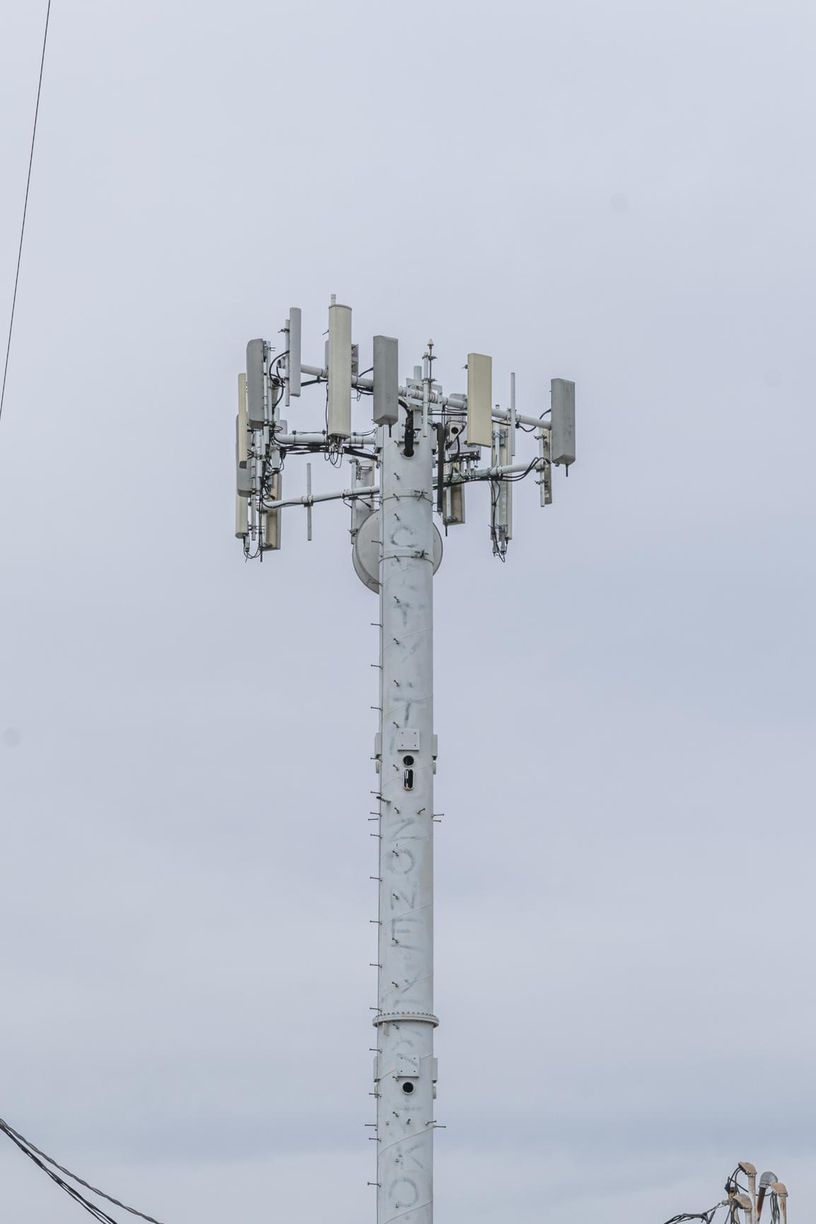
(618,192)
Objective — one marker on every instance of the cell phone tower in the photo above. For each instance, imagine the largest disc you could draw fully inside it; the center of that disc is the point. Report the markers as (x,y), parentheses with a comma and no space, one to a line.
(424,448)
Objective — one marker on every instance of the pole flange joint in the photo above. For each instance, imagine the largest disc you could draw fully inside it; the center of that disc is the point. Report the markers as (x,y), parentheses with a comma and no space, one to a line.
(395,1017)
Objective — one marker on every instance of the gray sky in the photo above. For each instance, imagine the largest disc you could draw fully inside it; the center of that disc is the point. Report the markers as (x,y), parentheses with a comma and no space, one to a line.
(619,193)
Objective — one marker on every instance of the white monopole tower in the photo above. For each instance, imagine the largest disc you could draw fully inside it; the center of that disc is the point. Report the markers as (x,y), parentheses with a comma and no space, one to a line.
(415,460)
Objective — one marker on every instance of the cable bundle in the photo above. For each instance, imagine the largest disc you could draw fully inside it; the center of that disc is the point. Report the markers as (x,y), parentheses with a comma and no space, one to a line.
(43,1161)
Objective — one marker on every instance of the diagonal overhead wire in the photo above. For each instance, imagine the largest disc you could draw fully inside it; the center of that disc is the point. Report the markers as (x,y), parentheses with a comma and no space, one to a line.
(98,1214)
(34,1153)
(25,208)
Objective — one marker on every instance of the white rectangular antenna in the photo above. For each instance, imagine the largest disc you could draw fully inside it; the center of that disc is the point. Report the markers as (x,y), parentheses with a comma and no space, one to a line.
(243,474)
(293,360)
(241,516)
(339,372)
(242,471)
(386,380)
(244,480)
(562,392)
(241,423)
(271,519)
(479,399)
(256,383)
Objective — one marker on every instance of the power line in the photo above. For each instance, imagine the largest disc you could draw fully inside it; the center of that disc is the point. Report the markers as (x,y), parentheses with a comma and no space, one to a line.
(25,208)
(707,1216)
(98,1214)
(34,1153)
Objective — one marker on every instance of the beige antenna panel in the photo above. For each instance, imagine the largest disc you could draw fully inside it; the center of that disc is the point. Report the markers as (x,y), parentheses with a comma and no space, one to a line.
(479,400)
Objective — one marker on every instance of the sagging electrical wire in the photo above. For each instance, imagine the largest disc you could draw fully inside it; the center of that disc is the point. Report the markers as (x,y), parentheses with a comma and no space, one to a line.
(25,208)
(42,1160)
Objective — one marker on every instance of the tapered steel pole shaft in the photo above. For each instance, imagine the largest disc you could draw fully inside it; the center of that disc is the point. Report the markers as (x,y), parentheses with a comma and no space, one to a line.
(405,1067)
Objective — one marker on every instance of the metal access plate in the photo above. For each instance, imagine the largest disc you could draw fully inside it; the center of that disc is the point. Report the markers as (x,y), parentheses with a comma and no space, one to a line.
(366,552)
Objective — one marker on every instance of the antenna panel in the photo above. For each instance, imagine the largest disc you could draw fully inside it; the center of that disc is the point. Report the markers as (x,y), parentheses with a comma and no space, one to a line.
(244,487)
(271,519)
(243,475)
(386,380)
(562,393)
(293,360)
(479,399)
(339,372)
(241,517)
(241,423)
(255,383)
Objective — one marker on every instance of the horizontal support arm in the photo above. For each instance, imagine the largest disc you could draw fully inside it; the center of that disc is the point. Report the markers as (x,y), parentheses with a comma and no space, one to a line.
(299,438)
(457,403)
(371,491)
(495,473)
(311,498)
